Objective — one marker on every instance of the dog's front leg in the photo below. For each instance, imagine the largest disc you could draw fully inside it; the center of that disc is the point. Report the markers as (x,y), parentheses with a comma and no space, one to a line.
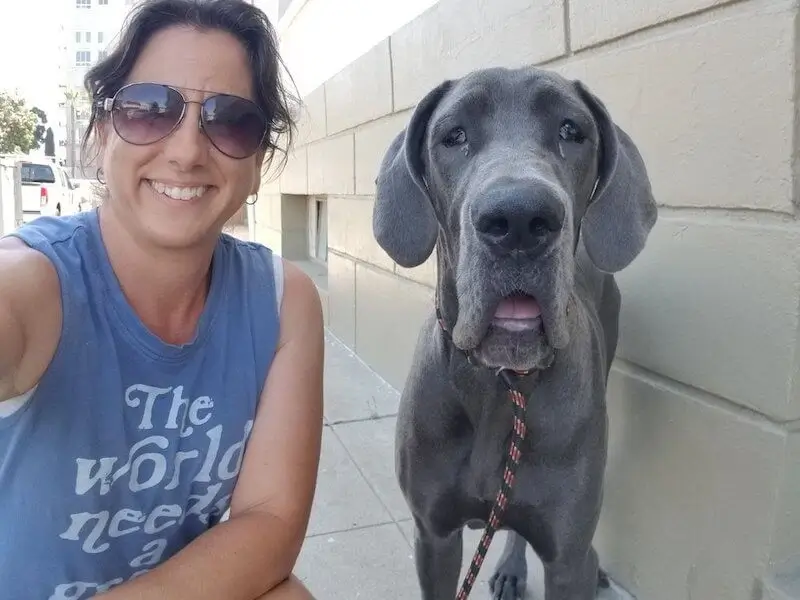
(572,577)
(510,576)
(438,561)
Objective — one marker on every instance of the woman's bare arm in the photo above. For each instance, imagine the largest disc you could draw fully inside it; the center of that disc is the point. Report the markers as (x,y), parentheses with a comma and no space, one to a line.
(30,316)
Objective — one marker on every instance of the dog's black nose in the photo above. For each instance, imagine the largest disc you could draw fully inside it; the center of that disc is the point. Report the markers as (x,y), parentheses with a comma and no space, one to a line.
(519,217)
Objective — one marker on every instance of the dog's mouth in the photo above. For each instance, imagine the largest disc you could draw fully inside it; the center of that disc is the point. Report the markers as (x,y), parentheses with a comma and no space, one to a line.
(515,336)
(517,313)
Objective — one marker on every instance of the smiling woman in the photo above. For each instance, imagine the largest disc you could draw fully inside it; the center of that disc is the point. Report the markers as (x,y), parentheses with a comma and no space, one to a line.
(156,373)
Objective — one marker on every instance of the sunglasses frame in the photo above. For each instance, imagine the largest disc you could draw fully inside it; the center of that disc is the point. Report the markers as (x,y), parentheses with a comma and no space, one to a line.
(107,104)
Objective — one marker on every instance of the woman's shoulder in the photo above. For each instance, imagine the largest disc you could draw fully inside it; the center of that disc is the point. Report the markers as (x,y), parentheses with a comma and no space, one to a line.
(252,254)
(249,258)
(52,231)
(303,315)
(29,278)
(51,246)
(65,242)
(295,289)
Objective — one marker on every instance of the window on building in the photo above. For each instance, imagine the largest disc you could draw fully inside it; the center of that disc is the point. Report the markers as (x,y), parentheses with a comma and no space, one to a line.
(102,54)
(100,37)
(83,3)
(318,229)
(88,36)
(102,2)
(77,37)
(83,58)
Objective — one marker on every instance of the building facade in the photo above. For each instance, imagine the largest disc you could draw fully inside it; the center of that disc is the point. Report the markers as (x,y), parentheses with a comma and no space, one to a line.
(90,28)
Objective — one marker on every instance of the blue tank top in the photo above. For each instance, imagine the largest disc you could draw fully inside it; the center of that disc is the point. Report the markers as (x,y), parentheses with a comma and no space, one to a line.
(128,448)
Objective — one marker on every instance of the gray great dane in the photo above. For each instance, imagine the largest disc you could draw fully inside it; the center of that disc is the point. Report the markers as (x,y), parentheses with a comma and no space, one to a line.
(533,198)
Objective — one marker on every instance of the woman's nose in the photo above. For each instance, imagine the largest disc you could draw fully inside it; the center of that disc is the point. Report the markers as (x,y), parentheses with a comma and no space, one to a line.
(188,146)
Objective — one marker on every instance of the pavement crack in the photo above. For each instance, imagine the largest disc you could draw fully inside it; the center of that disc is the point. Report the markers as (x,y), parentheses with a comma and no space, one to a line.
(368,419)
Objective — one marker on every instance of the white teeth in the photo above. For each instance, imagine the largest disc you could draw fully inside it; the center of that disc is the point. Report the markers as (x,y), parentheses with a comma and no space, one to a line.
(179,193)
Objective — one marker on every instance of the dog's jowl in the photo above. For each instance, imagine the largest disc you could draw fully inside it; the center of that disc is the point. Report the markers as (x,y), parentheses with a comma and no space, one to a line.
(533,198)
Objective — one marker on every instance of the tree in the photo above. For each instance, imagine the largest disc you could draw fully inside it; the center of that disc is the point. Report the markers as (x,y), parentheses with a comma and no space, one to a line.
(49,143)
(41,129)
(17,125)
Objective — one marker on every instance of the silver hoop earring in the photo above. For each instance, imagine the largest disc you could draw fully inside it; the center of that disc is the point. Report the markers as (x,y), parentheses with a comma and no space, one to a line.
(100,176)
(253,202)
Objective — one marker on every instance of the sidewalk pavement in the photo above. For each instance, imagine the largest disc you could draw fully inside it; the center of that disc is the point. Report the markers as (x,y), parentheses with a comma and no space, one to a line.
(360,534)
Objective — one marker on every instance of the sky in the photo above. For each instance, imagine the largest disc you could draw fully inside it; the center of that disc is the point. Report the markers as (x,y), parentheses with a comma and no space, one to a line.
(29,52)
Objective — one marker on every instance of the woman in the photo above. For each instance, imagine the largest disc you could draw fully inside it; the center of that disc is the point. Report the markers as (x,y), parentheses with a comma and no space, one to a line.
(154,372)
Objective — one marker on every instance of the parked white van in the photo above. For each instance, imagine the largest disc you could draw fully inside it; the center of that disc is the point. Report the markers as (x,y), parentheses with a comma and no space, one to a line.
(46,190)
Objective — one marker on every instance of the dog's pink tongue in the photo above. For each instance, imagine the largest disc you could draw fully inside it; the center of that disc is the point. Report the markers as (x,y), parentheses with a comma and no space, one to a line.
(518,307)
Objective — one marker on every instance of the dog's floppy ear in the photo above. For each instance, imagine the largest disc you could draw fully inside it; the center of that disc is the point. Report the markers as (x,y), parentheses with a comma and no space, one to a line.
(622,210)
(404,223)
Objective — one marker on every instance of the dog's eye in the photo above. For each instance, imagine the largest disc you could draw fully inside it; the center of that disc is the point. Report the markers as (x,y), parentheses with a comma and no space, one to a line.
(569,132)
(455,137)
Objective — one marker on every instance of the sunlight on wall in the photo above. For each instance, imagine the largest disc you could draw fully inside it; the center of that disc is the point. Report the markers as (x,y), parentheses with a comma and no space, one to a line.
(321,37)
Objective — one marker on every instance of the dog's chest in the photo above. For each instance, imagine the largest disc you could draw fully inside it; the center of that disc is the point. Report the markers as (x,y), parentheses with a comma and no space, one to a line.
(543,454)
(487,455)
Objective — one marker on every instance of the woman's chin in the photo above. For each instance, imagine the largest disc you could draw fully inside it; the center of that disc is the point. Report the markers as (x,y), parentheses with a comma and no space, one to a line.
(175,232)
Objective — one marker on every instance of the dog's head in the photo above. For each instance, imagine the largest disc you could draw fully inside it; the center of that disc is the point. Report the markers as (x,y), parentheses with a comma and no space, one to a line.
(506,169)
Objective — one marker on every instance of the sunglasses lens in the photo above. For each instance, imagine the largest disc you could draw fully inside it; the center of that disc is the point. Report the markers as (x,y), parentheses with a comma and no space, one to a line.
(234,125)
(145,113)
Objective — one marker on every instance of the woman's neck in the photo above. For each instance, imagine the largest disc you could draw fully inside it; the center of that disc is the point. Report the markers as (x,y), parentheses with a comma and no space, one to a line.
(166,288)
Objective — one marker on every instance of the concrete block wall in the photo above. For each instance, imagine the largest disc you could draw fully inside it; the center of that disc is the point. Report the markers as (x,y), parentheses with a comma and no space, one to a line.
(703,483)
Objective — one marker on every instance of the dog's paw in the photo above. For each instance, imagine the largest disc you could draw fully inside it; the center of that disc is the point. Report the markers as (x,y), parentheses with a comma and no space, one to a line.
(608,589)
(603,582)
(506,586)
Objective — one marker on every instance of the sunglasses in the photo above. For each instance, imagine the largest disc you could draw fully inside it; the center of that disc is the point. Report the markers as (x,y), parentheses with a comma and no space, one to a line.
(146,113)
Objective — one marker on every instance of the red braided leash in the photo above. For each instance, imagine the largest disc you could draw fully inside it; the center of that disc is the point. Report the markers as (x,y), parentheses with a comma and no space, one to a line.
(519,405)
(501,501)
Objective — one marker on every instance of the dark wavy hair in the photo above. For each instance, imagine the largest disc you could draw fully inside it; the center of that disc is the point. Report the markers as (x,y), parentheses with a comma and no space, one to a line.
(244,21)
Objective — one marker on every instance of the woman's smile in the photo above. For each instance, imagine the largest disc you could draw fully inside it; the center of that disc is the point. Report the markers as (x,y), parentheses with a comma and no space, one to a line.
(175,192)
